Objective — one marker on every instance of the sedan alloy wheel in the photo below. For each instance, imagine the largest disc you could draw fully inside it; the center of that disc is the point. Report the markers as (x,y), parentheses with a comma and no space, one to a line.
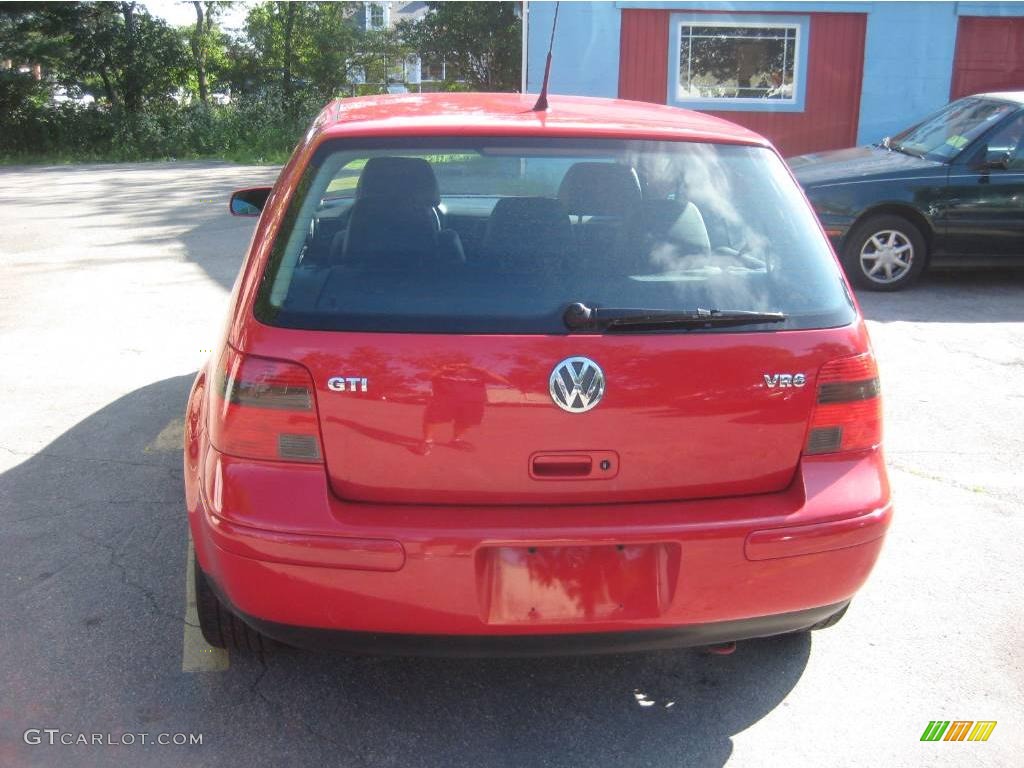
(887,256)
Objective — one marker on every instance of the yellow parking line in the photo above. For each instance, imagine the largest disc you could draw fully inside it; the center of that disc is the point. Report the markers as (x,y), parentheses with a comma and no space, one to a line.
(170,438)
(196,654)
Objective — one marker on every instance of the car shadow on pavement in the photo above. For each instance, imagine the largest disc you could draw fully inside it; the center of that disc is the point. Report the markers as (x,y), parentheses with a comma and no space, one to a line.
(94,541)
(953,296)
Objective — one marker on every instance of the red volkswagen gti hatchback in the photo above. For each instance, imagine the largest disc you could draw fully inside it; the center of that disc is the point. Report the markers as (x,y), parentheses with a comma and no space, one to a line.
(503,381)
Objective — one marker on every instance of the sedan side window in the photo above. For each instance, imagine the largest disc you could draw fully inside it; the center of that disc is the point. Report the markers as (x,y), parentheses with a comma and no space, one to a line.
(1007,142)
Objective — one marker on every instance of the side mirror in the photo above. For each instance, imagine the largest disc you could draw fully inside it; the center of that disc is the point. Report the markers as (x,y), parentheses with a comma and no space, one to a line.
(996,157)
(248,202)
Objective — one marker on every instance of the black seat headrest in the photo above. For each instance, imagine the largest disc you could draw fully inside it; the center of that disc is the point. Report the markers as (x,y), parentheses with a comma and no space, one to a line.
(528,232)
(389,233)
(599,189)
(407,178)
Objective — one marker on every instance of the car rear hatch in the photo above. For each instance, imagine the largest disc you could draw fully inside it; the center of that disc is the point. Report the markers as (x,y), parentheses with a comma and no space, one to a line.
(471,419)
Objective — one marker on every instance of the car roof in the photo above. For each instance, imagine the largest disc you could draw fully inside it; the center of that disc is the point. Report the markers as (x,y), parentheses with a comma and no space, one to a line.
(1016,96)
(511,114)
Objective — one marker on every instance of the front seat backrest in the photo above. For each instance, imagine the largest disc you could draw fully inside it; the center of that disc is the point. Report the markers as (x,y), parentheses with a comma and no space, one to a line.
(663,231)
(394,221)
(671,222)
(689,231)
(599,189)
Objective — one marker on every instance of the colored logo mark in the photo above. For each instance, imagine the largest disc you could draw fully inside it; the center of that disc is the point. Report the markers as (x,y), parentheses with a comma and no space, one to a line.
(958,730)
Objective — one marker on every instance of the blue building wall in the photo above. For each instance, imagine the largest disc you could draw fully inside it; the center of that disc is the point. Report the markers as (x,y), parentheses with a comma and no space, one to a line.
(586,51)
(908,65)
(908,50)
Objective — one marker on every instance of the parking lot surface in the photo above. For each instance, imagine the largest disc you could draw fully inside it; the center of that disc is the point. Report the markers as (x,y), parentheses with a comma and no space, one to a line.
(113,289)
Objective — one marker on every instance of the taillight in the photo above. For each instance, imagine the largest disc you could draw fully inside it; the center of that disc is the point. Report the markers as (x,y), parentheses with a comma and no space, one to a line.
(848,412)
(263,409)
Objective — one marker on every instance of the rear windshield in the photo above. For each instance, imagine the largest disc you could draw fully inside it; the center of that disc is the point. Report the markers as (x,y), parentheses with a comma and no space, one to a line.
(491,235)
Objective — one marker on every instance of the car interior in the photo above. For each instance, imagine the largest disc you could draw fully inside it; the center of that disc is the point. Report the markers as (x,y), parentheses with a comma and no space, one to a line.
(396,221)
(404,239)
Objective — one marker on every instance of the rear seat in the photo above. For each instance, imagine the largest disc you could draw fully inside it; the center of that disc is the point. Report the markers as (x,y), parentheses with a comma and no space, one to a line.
(529,235)
(608,194)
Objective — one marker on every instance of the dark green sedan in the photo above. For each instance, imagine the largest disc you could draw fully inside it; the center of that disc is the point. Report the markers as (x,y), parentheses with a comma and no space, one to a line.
(948,191)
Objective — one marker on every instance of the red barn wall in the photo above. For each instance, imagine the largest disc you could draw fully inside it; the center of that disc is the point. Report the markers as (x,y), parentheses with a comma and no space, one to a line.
(834,73)
(989,56)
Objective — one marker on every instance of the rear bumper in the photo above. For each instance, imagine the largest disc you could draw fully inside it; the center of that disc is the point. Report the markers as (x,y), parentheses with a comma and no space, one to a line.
(309,569)
(565,644)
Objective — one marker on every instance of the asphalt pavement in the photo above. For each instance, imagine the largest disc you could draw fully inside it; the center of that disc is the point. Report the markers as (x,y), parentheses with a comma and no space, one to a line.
(113,287)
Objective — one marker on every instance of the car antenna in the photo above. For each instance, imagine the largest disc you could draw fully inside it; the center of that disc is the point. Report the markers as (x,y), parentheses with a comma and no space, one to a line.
(542,99)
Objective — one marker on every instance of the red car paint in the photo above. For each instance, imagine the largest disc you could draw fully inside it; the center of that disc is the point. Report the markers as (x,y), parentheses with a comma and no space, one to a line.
(551,524)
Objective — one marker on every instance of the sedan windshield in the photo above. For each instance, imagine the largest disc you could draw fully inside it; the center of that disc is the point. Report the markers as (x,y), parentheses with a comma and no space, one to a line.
(492,235)
(943,135)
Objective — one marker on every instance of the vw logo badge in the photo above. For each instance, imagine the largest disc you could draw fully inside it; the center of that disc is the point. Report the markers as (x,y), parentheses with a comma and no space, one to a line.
(576,384)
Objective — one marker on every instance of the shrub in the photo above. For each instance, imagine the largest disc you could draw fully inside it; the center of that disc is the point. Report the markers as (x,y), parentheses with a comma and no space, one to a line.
(253,128)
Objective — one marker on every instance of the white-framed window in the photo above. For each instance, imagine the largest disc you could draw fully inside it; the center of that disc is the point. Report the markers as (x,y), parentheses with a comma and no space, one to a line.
(376,20)
(745,62)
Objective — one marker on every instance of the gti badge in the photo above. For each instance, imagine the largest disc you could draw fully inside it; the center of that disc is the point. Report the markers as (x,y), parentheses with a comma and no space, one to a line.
(347,384)
(784,380)
(576,384)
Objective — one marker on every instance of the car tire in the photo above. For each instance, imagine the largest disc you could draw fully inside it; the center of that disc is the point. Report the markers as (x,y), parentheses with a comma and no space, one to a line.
(832,620)
(875,249)
(220,627)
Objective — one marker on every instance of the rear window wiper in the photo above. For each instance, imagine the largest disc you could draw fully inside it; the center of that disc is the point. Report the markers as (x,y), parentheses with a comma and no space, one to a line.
(580,317)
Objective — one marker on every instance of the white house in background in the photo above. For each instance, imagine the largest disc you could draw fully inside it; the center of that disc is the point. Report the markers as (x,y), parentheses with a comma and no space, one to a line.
(384,15)
(414,71)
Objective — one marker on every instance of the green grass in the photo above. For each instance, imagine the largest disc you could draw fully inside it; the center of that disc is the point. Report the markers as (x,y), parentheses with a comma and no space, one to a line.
(345,183)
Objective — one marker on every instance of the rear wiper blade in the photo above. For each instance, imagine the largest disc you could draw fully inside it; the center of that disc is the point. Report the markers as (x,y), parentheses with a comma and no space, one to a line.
(580,317)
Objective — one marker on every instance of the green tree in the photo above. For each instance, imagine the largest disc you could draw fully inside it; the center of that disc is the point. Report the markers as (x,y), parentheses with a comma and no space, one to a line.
(332,41)
(119,47)
(483,40)
(205,43)
(302,46)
